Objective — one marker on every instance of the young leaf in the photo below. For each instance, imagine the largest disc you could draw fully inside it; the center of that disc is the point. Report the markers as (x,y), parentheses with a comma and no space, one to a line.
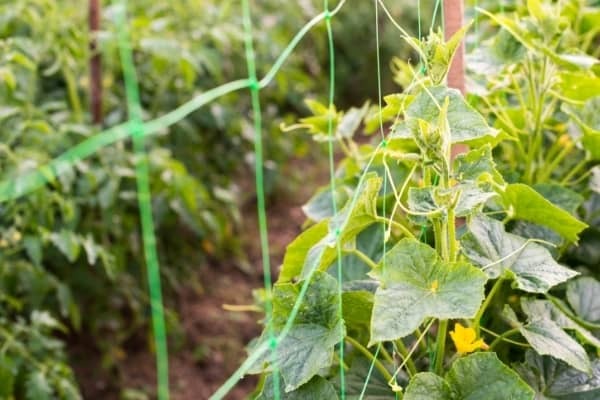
(490,247)
(477,165)
(466,125)
(526,204)
(417,284)
(474,377)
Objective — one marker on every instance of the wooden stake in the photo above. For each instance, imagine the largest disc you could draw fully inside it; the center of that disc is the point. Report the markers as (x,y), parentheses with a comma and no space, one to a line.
(95,63)
(453,21)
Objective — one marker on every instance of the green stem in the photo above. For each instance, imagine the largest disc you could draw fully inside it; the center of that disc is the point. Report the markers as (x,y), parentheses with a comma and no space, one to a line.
(73,95)
(385,354)
(440,348)
(486,303)
(371,357)
(398,225)
(437,235)
(365,258)
(401,348)
(521,344)
(452,243)
(573,172)
(502,337)
(547,171)
(562,307)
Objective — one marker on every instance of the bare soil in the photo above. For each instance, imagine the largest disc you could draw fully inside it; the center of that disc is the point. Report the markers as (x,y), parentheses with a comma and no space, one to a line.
(214,339)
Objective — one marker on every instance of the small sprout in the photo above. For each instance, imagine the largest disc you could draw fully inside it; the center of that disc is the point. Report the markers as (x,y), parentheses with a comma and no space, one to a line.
(465,339)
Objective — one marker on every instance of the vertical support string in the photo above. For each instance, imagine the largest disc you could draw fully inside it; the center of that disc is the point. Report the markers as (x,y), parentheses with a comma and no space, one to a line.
(260,193)
(331,114)
(144,201)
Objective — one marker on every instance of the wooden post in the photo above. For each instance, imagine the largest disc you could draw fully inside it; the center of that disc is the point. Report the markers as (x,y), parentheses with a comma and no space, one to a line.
(95,63)
(453,21)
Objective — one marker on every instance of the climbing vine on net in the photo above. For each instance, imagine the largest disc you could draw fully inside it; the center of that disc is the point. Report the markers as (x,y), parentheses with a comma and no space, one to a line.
(405,238)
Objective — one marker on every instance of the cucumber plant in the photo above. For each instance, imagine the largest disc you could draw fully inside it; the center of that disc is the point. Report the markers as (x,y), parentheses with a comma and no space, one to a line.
(437,295)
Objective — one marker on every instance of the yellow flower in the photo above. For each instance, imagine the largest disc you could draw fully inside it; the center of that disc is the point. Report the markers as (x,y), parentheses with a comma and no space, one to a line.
(565,141)
(464,339)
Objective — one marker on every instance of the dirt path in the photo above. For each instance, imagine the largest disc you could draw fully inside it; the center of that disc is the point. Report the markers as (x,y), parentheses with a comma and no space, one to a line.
(214,339)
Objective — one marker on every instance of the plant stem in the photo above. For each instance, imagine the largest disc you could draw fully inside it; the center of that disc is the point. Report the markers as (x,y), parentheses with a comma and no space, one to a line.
(385,354)
(452,243)
(398,225)
(440,348)
(486,303)
(410,365)
(502,337)
(562,307)
(371,357)
(521,344)
(365,258)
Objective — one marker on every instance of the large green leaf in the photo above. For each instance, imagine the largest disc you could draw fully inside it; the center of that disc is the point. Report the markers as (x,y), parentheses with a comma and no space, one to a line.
(553,379)
(377,386)
(544,309)
(320,206)
(309,344)
(547,338)
(315,389)
(490,247)
(296,252)
(475,377)
(524,203)
(428,386)
(417,284)
(357,307)
(578,85)
(349,222)
(583,294)
(465,123)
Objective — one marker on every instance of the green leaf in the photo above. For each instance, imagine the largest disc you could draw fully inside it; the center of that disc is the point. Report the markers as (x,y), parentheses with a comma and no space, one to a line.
(320,205)
(351,120)
(544,309)
(474,377)
(477,165)
(553,379)
(38,387)
(357,307)
(523,202)
(595,180)
(433,198)
(309,344)
(297,251)
(578,85)
(377,387)
(8,371)
(465,123)
(428,386)
(583,294)
(588,120)
(547,338)
(484,376)
(490,247)
(349,222)
(316,388)
(417,284)
(67,242)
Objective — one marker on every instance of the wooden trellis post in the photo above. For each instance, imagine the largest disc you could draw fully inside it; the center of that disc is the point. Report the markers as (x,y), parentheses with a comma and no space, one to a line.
(453,21)
(95,63)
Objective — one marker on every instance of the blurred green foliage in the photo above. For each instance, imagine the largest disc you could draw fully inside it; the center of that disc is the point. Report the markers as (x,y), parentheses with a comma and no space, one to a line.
(70,253)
